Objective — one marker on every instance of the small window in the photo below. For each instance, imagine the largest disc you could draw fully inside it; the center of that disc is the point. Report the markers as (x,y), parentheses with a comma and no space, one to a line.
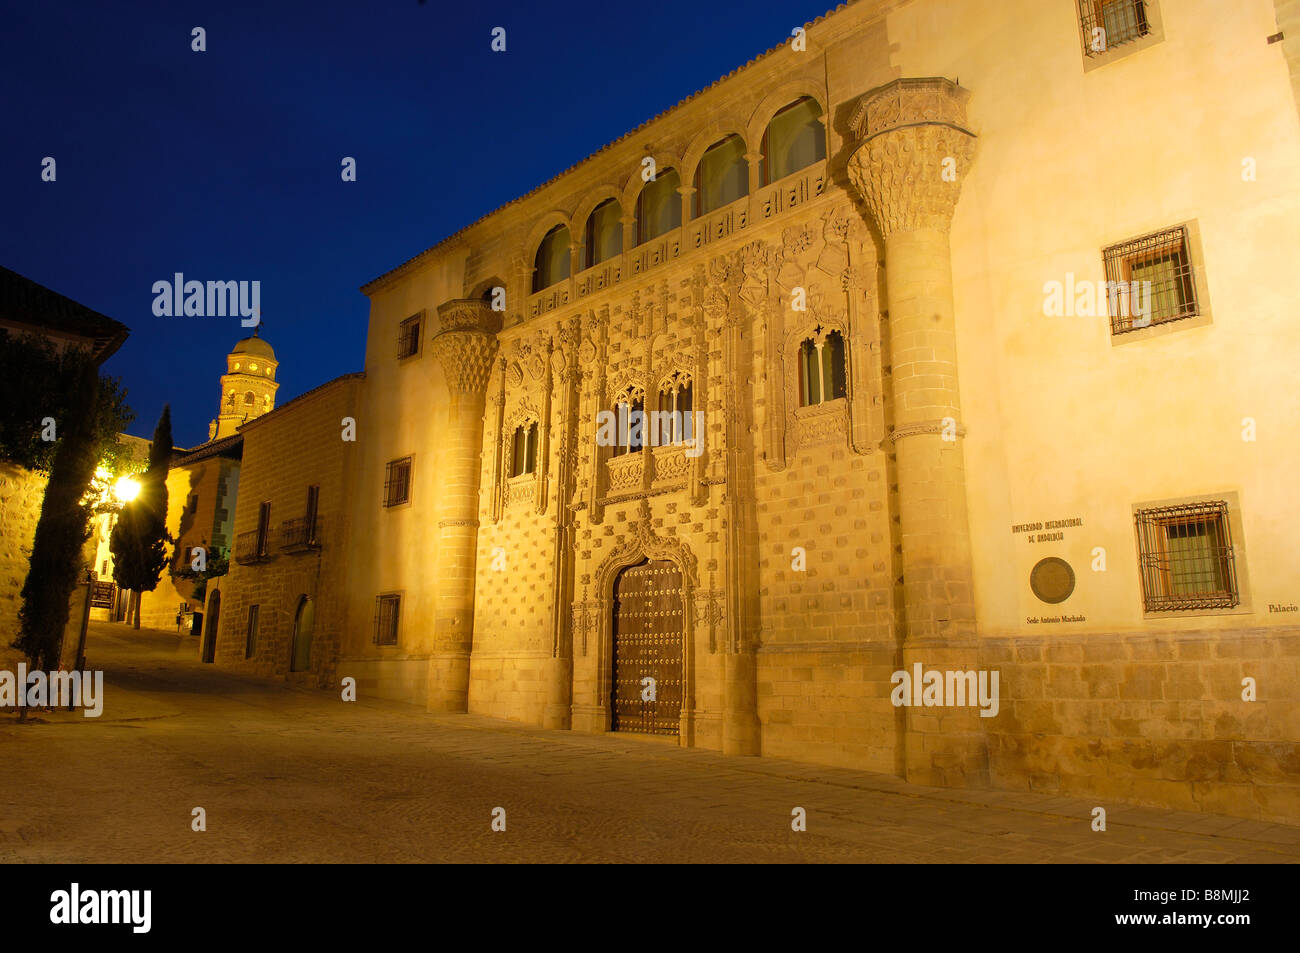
(387,610)
(552,263)
(1185,557)
(249,399)
(397,482)
(523,457)
(722,176)
(794,140)
(1110,23)
(676,422)
(659,206)
(604,239)
(629,415)
(408,337)
(263,528)
(250,639)
(309,516)
(821,369)
(1149,281)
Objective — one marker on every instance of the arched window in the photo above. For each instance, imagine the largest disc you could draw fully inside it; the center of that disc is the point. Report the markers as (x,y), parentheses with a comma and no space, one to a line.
(249,398)
(604,237)
(552,264)
(722,176)
(794,140)
(629,417)
(675,424)
(659,206)
(523,456)
(821,368)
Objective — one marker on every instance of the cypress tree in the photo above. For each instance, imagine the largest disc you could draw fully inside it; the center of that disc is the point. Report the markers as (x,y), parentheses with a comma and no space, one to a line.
(64,524)
(138,540)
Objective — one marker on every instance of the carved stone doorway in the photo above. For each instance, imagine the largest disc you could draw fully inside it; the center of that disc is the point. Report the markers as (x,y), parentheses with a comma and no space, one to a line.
(648,641)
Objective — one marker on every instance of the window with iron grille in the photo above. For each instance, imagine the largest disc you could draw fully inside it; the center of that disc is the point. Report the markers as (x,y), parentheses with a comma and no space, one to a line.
(408,337)
(1110,23)
(1185,557)
(1149,280)
(397,482)
(387,609)
(250,640)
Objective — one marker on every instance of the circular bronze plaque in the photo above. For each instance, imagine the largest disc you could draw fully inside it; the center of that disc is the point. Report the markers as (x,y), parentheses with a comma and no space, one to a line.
(1052,580)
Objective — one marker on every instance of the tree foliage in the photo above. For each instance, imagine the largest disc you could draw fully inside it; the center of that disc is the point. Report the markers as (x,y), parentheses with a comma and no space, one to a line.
(138,542)
(35,384)
(63,527)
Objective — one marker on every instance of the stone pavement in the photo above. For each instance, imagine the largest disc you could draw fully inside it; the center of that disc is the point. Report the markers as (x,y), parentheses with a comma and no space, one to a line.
(298,775)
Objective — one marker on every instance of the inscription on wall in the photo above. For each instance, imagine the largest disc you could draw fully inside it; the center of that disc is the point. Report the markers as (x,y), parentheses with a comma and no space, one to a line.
(1048,532)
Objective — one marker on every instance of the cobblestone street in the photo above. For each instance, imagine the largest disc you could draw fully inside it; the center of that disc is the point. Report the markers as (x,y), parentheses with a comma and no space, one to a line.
(292,775)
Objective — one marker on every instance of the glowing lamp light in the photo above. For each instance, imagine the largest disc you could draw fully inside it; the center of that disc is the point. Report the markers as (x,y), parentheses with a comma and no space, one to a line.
(127,489)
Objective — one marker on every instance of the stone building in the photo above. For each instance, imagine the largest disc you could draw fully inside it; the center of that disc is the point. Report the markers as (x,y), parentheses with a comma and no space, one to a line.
(1088,206)
(279,610)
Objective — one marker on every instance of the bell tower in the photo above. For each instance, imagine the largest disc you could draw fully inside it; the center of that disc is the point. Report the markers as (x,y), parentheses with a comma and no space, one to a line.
(247,388)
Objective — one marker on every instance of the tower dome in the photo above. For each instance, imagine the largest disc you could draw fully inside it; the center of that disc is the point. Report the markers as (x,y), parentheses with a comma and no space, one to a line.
(254,345)
(247,388)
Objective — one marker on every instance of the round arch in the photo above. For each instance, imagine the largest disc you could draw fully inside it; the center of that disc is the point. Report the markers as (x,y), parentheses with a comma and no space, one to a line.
(778,99)
(304,624)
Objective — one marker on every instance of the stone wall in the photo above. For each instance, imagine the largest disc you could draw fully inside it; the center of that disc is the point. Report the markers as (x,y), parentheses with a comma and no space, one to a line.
(1152,719)
(22,492)
(294,447)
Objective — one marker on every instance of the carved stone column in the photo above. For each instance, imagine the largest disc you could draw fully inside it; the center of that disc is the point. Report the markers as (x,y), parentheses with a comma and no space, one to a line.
(913,152)
(465,346)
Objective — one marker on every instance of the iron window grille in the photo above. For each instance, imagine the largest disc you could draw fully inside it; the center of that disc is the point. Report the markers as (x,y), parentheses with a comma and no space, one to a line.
(408,337)
(1149,281)
(1110,23)
(397,482)
(387,610)
(1185,557)
(250,640)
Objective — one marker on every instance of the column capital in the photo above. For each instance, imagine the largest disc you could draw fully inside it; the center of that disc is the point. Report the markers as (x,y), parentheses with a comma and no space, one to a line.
(466,343)
(913,149)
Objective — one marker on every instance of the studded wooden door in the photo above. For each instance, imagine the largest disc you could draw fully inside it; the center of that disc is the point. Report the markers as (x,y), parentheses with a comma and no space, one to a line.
(648,644)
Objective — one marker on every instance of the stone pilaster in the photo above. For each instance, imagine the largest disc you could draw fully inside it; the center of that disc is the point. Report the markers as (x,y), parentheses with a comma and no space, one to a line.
(465,346)
(913,151)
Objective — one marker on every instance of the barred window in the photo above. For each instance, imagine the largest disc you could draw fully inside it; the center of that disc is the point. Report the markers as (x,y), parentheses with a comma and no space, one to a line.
(1185,557)
(387,609)
(408,337)
(1111,23)
(821,369)
(1149,281)
(250,640)
(397,482)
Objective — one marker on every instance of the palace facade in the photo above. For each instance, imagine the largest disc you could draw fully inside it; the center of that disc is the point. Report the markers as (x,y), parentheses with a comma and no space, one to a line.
(1088,207)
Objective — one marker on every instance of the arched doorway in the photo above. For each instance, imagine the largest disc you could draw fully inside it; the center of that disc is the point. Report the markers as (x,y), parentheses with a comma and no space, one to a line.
(303,624)
(210,622)
(647,630)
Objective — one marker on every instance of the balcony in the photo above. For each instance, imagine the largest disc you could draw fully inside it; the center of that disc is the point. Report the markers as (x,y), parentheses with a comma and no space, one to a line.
(299,535)
(251,548)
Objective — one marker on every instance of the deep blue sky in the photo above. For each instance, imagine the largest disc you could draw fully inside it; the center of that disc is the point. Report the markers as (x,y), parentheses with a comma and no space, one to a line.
(225,164)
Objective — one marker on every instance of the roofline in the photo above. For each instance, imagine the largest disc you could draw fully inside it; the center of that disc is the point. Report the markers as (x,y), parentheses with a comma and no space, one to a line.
(212,449)
(376,284)
(355,375)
